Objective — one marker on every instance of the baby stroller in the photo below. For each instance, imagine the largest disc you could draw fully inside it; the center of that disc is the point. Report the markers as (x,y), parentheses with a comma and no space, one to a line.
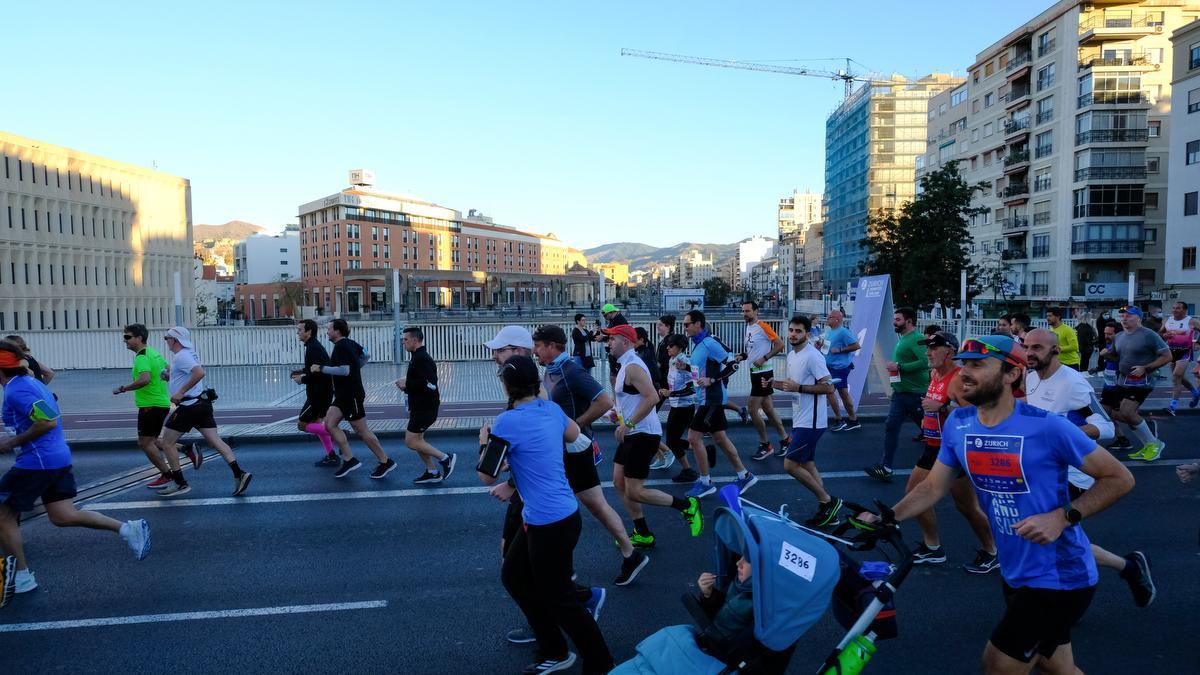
(795,571)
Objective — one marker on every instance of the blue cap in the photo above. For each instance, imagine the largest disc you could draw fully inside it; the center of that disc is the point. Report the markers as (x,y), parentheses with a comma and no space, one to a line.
(1132,310)
(1001,347)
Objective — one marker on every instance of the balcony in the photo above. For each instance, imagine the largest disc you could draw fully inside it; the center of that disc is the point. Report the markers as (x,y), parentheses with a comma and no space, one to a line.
(1110,173)
(1112,136)
(1017,157)
(1097,60)
(1045,116)
(1014,127)
(1014,254)
(1104,248)
(1016,192)
(1016,97)
(1014,224)
(1119,26)
(1113,98)
(1020,61)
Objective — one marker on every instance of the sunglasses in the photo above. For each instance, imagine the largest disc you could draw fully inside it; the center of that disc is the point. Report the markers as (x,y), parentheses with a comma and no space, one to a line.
(977,346)
(126,337)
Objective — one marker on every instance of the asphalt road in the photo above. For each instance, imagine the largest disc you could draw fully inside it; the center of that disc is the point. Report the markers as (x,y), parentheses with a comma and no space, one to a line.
(403,579)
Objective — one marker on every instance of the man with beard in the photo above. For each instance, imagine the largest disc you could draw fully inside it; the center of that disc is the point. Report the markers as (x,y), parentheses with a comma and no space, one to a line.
(910,364)
(760,346)
(1139,351)
(1017,456)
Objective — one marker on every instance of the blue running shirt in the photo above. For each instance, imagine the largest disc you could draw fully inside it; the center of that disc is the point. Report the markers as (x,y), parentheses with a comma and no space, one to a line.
(27,401)
(534,431)
(1019,469)
(708,358)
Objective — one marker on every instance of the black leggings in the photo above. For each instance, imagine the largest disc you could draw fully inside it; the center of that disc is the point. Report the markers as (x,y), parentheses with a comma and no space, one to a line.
(675,433)
(537,574)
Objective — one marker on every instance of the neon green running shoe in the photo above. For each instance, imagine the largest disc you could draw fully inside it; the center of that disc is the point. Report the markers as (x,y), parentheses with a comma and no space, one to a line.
(1139,453)
(692,515)
(1152,451)
(641,540)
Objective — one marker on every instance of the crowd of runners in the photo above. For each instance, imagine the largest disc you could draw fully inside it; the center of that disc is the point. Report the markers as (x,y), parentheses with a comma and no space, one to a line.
(1011,428)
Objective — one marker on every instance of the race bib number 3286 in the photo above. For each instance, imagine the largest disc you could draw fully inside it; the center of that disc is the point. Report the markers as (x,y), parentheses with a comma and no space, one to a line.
(797,562)
(994,463)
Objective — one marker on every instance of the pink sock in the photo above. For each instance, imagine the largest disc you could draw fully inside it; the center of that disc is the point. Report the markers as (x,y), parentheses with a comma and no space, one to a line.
(318,430)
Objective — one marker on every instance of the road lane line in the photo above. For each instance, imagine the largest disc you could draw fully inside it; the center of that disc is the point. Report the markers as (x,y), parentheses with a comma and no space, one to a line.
(190,616)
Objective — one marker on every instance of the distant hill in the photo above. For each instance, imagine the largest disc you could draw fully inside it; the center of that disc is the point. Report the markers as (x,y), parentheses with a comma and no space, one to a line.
(643,256)
(234,229)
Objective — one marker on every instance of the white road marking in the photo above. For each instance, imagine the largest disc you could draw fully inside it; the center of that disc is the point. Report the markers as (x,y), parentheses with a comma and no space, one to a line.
(190,616)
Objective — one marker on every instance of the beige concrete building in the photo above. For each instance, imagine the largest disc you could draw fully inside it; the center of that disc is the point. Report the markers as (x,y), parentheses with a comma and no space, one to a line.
(1183,186)
(89,242)
(693,269)
(615,272)
(1067,118)
(800,218)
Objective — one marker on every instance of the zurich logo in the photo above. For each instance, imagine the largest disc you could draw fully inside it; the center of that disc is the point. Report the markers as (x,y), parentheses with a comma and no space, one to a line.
(979,442)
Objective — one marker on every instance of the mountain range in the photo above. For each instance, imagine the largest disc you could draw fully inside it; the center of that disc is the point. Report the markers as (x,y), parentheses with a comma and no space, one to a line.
(643,256)
(234,229)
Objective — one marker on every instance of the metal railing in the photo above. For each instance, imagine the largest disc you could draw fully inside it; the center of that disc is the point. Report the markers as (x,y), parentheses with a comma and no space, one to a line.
(1013,126)
(1017,157)
(1113,98)
(1120,21)
(1046,48)
(1014,254)
(1128,246)
(1015,95)
(1019,62)
(1041,218)
(1014,223)
(1040,289)
(1016,189)
(1112,136)
(1045,116)
(1110,172)
(1089,61)
(1041,184)
(1042,150)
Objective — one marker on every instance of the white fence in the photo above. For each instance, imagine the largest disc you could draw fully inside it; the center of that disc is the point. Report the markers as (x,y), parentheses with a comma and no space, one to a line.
(277,345)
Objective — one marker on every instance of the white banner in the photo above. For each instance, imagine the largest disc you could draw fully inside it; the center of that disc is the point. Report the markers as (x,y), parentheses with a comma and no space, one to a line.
(872,327)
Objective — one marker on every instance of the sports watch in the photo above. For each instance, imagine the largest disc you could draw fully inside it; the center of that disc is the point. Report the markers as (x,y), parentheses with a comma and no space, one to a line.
(1073,514)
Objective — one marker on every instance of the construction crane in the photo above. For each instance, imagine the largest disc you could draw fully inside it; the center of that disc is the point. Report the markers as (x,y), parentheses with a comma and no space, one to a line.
(846,76)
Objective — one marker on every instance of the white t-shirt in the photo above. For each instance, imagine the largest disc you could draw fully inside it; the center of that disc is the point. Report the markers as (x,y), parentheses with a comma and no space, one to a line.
(1178,341)
(759,339)
(181,371)
(1068,393)
(807,366)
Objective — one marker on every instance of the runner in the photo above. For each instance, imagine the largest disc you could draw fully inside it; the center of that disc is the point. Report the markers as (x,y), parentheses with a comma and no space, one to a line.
(1177,331)
(839,347)
(421,385)
(680,394)
(1067,340)
(638,432)
(153,404)
(612,318)
(1139,351)
(707,359)
(760,346)
(1017,457)
(581,339)
(665,458)
(945,393)
(1003,326)
(345,370)
(318,391)
(909,363)
(193,410)
(1021,324)
(41,372)
(808,380)
(42,470)
(1106,363)
(583,400)
(1065,392)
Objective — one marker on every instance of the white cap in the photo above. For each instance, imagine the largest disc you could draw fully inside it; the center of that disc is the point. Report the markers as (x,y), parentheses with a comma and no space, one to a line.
(182,335)
(516,336)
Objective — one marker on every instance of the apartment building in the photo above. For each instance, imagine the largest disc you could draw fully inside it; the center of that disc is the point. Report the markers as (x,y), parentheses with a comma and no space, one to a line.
(1067,118)
(693,268)
(1182,203)
(800,219)
(88,242)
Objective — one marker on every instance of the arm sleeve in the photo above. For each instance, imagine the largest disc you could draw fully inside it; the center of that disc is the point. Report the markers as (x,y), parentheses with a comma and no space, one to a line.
(341,371)
(771,335)
(421,374)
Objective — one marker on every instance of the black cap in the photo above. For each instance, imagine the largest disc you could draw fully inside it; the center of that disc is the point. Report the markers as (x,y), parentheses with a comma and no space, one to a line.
(520,371)
(550,333)
(940,339)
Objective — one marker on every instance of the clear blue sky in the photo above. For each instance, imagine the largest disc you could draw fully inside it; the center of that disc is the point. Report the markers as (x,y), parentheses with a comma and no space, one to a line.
(523,110)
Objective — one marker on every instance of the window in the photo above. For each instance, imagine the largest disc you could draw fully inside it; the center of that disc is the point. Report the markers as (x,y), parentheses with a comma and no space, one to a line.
(987,130)
(1151,235)
(1155,128)
(1041,246)
(1192,153)
(1189,257)
(1152,164)
(1044,143)
(1045,43)
(988,69)
(1109,200)
(1041,180)
(1189,203)
(958,96)
(1045,77)
(942,109)
(1041,283)
(975,75)
(1045,110)
(974,137)
(975,106)
(1152,200)
(989,99)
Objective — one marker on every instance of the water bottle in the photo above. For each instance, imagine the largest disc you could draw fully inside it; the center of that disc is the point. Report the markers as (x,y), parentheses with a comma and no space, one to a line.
(854,656)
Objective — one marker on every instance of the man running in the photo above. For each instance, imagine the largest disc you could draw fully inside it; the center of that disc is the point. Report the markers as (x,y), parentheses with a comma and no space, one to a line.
(910,366)
(318,391)
(680,393)
(1177,331)
(1068,342)
(708,360)
(193,410)
(839,359)
(945,393)
(421,385)
(1139,352)
(1017,457)
(1021,324)
(1110,401)
(760,346)
(42,470)
(153,403)
(345,369)
(1063,391)
(808,380)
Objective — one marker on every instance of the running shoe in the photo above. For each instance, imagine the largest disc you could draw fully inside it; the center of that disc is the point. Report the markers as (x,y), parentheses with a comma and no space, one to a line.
(162,481)
(640,540)
(385,468)
(700,489)
(328,460)
(1149,452)
(347,466)
(1195,398)
(136,533)
(685,476)
(692,515)
(1137,575)
(983,563)
(630,568)
(520,636)
(852,425)
(746,483)
(174,490)
(596,602)
(923,555)
(426,478)
(1171,407)
(879,472)
(826,515)
(668,461)
(241,483)
(448,465)
(765,450)
(25,582)
(783,447)
(1121,443)
(838,425)
(745,415)
(193,453)
(658,463)
(8,579)
(550,665)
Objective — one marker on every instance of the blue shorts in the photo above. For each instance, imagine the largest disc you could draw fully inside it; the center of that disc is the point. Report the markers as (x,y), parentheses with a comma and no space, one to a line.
(842,375)
(803,445)
(21,488)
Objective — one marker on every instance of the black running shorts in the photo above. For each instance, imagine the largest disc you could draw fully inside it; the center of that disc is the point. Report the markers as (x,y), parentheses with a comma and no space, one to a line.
(1038,620)
(1137,394)
(581,470)
(313,411)
(198,415)
(757,388)
(710,419)
(420,420)
(351,407)
(150,421)
(635,454)
(675,431)
(21,488)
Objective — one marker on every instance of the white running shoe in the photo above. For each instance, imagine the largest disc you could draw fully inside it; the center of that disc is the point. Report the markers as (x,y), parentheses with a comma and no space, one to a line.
(136,533)
(25,582)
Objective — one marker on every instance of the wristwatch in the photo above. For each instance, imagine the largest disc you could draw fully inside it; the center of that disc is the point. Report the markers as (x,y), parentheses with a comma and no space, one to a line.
(630,424)
(1073,514)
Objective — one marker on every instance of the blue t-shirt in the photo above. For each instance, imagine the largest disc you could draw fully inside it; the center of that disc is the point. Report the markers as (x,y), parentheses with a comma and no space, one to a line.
(1019,469)
(839,337)
(26,401)
(572,388)
(534,431)
(708,358)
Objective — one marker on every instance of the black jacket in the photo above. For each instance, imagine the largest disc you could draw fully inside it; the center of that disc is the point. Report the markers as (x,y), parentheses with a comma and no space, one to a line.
(420,382)
(317,386)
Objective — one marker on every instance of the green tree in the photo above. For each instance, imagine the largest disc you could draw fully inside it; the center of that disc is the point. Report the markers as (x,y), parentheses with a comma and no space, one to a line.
(716,291)
(992,274)
(925,244)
